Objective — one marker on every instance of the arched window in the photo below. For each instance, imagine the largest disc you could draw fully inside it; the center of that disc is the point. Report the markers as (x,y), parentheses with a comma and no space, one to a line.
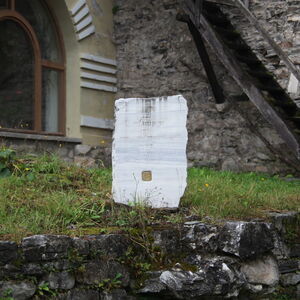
(32,69)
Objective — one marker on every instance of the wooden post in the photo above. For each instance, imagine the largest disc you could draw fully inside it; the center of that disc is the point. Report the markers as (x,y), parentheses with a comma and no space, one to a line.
(212,78)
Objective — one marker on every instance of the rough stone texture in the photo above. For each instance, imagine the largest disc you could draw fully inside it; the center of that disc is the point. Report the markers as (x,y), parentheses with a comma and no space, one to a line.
(262,271)
(32,269)
(212,278)
(83,155)
(60,280)
(64,150)
(196,261)
(42,247)
(199,236)
(10,271)
(78,294)
(168,240)
(295,251)
(282,220)
(246,239)
(85,162)
(281,250)
(82,247)
(18,290)
(290,279)
(82,149)
(59,265)
(93,156)
(157,57)
(289,266)
(8,252)
(95,272)
(115,295)
(110,245)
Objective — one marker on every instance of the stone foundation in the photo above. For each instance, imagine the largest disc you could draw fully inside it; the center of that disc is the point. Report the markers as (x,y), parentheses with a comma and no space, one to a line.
(190,261)
(68,149)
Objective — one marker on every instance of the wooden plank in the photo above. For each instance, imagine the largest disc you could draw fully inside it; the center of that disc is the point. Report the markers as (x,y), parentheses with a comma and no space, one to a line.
(198,4)
(289,64)
(222,2)
(212,78)
(245,82)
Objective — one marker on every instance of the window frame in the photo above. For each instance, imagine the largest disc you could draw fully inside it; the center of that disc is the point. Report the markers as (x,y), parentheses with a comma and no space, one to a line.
(40,64)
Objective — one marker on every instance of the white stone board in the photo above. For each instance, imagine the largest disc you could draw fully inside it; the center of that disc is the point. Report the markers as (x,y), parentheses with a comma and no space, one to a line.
(149,151)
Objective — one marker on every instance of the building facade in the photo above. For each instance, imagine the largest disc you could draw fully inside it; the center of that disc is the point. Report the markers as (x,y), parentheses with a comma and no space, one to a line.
(58,71)
(64,62)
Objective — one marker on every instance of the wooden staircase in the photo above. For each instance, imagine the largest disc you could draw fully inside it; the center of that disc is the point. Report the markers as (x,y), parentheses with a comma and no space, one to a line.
(206,20)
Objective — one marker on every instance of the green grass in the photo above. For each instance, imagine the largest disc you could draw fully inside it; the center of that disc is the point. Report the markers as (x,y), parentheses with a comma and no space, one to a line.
(239,196)
(45,195)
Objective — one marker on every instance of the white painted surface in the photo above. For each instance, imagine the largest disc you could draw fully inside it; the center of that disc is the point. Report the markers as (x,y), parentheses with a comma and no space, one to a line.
(150,135)
(99,87)
(93,122)
(99,59)
(98,77)
(81,14)
(77,6)
(84,23)
(86,32)
(95,67)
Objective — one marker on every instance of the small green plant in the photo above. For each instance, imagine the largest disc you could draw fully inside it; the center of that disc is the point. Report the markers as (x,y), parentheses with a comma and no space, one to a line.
(6,162)
(111,284)
(7,295)
(44,290)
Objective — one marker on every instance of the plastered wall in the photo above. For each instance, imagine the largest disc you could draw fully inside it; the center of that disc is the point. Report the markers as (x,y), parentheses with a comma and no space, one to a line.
(86,27)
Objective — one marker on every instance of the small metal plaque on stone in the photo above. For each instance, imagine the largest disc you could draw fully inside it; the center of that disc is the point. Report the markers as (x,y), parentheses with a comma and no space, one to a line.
(147,176)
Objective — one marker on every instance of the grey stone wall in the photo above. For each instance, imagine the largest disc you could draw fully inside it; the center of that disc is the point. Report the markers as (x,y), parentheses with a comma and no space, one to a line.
(156,57)
(189,261)
(69,150)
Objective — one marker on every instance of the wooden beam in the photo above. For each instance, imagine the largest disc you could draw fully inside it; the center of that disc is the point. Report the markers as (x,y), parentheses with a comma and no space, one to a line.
(212,78)
(245,82)
(222,2)
(198,6)
(289,64)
